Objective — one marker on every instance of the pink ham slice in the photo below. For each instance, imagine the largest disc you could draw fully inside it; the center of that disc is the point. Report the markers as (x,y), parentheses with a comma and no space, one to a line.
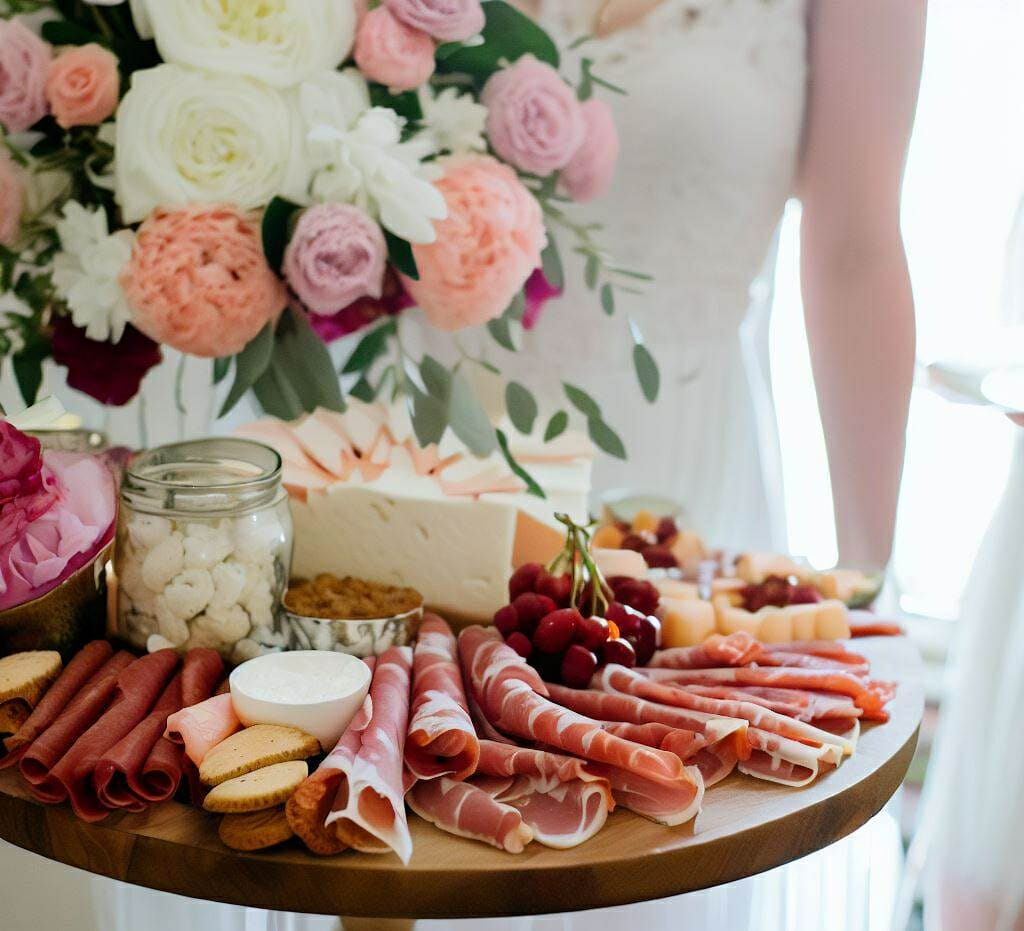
(201,727)
(741,649)
(85,665)
(795,703)
(619,679)
(76,718)
(869,695)
(811,661)
(827,649)
(735,650)
(442,740)
(466,810)
(656,799)
(789,762)
(138,687)
(513,697)
(866,624)
(369,810)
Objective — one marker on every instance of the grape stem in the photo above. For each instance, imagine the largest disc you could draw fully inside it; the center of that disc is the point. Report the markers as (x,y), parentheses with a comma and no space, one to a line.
(578,542)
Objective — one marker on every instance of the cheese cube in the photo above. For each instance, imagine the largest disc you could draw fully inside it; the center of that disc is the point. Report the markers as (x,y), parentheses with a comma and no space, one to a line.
(776,625)
(756,567)
(614,563)
(686,622)
(804,618)
(688,549)
(731,587)
(731,620)
(831,621)
(676,589)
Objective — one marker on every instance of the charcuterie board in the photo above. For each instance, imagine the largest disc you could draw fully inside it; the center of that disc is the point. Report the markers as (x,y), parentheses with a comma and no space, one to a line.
(747,826)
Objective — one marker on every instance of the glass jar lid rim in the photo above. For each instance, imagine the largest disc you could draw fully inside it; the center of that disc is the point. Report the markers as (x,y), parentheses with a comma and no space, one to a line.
(206,451)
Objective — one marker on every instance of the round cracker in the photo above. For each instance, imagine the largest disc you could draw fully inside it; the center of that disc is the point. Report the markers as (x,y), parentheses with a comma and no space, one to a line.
(256,747)
(28,675)
(255,830)
(263,788)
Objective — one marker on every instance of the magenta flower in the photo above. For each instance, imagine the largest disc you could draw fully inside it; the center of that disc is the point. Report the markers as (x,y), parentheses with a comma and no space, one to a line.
(362,312)
(538,291)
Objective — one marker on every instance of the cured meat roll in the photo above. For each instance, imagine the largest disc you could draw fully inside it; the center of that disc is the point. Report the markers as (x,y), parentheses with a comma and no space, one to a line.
(201,727)
(466,810)
(802,704)
(442,740)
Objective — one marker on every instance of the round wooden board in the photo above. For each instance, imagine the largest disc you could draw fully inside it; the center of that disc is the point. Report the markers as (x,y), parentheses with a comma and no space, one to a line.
(747,826)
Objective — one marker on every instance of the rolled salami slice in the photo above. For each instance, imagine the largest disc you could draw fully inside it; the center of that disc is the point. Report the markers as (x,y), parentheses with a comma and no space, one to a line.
(369,809)
(77,717)
(442,740)
(138,687)
(83,667)
(201,727)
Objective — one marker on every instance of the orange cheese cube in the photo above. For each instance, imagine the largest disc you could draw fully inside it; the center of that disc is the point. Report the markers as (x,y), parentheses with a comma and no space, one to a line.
(686,622)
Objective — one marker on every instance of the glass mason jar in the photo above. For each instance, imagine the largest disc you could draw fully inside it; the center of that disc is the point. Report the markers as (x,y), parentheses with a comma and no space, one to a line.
(204,547)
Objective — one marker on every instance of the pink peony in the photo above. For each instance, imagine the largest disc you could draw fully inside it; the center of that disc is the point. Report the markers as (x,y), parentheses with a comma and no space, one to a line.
(445,20)
(534,120)
(336,255)
(538,292)
(197,279)
(393,300)
(590,170)
(83,86)
(109,372)
(485,249)
(392,53)
(24,60)
(12,198)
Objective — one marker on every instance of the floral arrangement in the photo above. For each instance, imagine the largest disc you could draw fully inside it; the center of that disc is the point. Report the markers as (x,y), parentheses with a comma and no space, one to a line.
(249,181)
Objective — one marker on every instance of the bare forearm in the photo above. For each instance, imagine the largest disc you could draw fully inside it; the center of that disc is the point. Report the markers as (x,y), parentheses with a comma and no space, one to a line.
(860,325)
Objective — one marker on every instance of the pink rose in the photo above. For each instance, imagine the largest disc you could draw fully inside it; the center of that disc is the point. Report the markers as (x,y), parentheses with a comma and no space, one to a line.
(83,86)
(24,60)
(12,198)
(590,170)
(485,249)
(197,279)
(336,255)
(445,20)
(534,120)
(392,53)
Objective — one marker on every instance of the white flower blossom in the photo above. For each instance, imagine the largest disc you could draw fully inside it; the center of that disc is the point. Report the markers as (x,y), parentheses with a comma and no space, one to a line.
(452,121)
(85,271)
(356,155)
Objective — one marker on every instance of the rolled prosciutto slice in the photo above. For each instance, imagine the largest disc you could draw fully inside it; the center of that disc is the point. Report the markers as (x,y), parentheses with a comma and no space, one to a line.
(466,810)
(869,695)
(684,744)
(830,649)
(138,687)
(619,679)
(656,799)
(789,762)
(865,624)
(201,727)
(441,740)
(737,649)
(76,718)
(86,663)
(369,810)
(811,661)
(796,703)
(515,700)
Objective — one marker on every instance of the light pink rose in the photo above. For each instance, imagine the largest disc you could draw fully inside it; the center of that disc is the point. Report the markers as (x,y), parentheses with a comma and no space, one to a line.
(445,20)
(24,60)
(590,170)
(392,53)
(12,198)
(198,281)
(534,120)
(83,85)
(336,255)
(485,249)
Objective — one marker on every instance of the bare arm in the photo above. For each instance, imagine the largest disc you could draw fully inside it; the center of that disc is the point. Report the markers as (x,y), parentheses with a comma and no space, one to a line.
(865,62)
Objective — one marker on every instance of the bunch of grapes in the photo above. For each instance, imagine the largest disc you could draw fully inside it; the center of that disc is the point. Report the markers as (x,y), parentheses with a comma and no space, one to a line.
(779,592)
(566,623)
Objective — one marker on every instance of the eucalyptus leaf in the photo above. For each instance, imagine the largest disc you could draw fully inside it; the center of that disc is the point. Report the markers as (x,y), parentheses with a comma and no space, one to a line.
(429,417)
(221,367)
(591,270)
(362,390)
(646,372)
(400,255)
(436,378)
(582,401)
(468,419)
(521,406)
(556,426)
(551,264)
(605,438)
(517,309)
(250,363)
(28,372)
(370,348)
(531,483)
(276,395)
(276,230)
(303,359)
(607,299)
(499,329)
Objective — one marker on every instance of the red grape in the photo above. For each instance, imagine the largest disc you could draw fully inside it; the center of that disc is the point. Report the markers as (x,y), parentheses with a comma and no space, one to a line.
(520,643)
(637,593)
(619,651)
(592,631)
(556,587)
(658,556)
(647,636)
(578,666)
(523,579)
(625,618)
(506,619)
(804,595)
(555,631)
(666,530)
(633,541)
(531,607)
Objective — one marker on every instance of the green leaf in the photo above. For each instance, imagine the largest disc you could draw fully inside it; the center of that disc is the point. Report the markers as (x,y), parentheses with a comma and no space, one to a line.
(429,417)
(276,230)
(551,264)
(221,367)
(250,364)
(582,401)
(531,484)
(607,299)
(517,309)
(405,104)
(61,32)
(303,360)
(521,406)
(369,349)
(605,438)
(276,394)
(28,371)
(468,418)
(436,378)
(362,390)
(646,372)
(590,271)
(400,255)
(499,329)
(556,426)
(508,35)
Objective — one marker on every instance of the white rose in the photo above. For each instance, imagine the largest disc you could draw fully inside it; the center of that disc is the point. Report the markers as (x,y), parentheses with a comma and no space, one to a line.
(186,136)
(280,42)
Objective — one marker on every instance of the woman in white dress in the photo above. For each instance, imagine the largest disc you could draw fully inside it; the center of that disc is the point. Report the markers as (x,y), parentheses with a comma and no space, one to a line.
(734,106)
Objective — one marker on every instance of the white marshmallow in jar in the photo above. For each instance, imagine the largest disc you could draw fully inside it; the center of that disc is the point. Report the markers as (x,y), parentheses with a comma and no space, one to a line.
(204,546)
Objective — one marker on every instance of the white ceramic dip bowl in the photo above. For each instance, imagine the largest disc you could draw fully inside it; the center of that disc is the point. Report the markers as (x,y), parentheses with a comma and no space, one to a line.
(317,691)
